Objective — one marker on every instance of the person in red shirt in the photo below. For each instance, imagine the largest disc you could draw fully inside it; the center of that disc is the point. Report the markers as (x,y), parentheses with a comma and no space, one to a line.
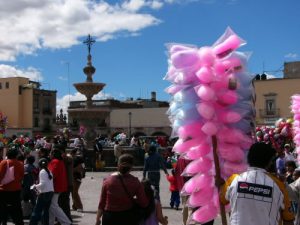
(60,182)
(115,203)
(175,197)
(10,193)
(181,180)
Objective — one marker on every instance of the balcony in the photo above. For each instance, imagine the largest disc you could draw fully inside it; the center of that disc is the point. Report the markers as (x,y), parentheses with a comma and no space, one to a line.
(265,113)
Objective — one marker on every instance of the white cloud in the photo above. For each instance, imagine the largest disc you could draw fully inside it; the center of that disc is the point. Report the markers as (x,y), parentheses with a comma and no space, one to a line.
(135,5)
(270,76)
(291,55)
(30,72)
(29,25)
(63,102)
(232,2)
(62,78)
(189,1)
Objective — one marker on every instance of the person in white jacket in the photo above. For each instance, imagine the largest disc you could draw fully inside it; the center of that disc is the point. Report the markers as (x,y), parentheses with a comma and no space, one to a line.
(45,192)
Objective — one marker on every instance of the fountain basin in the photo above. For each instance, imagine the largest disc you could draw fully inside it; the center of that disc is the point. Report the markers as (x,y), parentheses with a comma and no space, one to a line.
(89,89)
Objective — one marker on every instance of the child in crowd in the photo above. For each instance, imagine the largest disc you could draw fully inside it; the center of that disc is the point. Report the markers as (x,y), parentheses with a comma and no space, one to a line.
(154,214)
(31,174)
(175,197)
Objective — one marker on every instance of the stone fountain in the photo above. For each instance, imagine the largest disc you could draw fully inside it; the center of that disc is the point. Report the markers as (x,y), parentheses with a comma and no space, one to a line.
(89,116)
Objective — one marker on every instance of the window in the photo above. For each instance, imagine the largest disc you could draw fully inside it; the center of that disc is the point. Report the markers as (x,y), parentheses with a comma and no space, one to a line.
(47,122)
(270,107)
(47,126)
(6,85)
(47,104)
(36,104)
(36,122)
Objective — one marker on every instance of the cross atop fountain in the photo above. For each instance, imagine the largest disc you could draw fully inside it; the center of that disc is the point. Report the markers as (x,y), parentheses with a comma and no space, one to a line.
(89,42)
(90,116)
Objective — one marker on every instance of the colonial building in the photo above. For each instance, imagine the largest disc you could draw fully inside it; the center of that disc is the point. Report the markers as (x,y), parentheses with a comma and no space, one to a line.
(29,109)
(273,95)
(146,117)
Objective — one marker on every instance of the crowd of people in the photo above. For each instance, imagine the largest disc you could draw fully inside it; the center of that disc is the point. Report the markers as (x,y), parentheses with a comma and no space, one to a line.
(37,179)
(267,193)
(45,178)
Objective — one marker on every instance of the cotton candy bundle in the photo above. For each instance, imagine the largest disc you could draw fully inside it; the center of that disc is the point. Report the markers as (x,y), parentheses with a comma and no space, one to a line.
(296,125)
(212,96)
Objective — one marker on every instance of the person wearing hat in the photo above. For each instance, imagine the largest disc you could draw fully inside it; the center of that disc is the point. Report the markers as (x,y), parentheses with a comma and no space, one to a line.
(115,203)
(10,193)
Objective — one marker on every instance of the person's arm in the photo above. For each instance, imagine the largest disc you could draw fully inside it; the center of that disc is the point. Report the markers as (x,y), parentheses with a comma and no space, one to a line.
(142,199)
(98,217)
(145,168)
(54,168)
(43,176)
(169,178)
(3,166)
(159,214)
(286,215)
(101,205)
(223,188)
(163,166)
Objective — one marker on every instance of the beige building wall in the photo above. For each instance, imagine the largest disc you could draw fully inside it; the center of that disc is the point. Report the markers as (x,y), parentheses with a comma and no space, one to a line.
(143,117)
(13,104)
(26,108)
(273,99)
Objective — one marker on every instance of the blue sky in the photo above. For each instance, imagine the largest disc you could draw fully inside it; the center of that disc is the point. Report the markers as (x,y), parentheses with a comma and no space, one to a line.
(39,39)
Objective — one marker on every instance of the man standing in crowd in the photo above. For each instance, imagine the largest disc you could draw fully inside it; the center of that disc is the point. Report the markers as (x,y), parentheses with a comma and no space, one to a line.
(153,164)
(255,196)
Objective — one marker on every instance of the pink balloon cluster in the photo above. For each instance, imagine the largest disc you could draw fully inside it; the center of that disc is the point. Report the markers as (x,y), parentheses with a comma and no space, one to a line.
(296,125)
(212,95)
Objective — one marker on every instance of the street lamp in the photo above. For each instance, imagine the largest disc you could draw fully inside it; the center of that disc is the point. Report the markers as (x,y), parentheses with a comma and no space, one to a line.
(129,116)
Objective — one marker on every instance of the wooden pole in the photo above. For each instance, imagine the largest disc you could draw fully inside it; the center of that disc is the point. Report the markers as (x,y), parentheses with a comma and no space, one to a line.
(218,176)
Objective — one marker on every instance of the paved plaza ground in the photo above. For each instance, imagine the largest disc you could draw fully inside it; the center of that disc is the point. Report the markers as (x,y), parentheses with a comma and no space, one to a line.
(90,193)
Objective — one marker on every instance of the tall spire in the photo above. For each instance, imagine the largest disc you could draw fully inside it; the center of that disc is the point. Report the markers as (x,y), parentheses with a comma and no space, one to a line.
(89,42)
(89,70)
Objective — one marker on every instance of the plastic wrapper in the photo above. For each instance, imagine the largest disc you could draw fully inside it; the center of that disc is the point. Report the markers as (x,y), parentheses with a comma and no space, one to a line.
(212,96)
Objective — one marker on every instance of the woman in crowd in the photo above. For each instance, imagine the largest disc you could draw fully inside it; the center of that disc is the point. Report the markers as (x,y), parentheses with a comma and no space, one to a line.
(78,174)
(154,214)
(58,169)
(10,193)
(115,203)
(45,190)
